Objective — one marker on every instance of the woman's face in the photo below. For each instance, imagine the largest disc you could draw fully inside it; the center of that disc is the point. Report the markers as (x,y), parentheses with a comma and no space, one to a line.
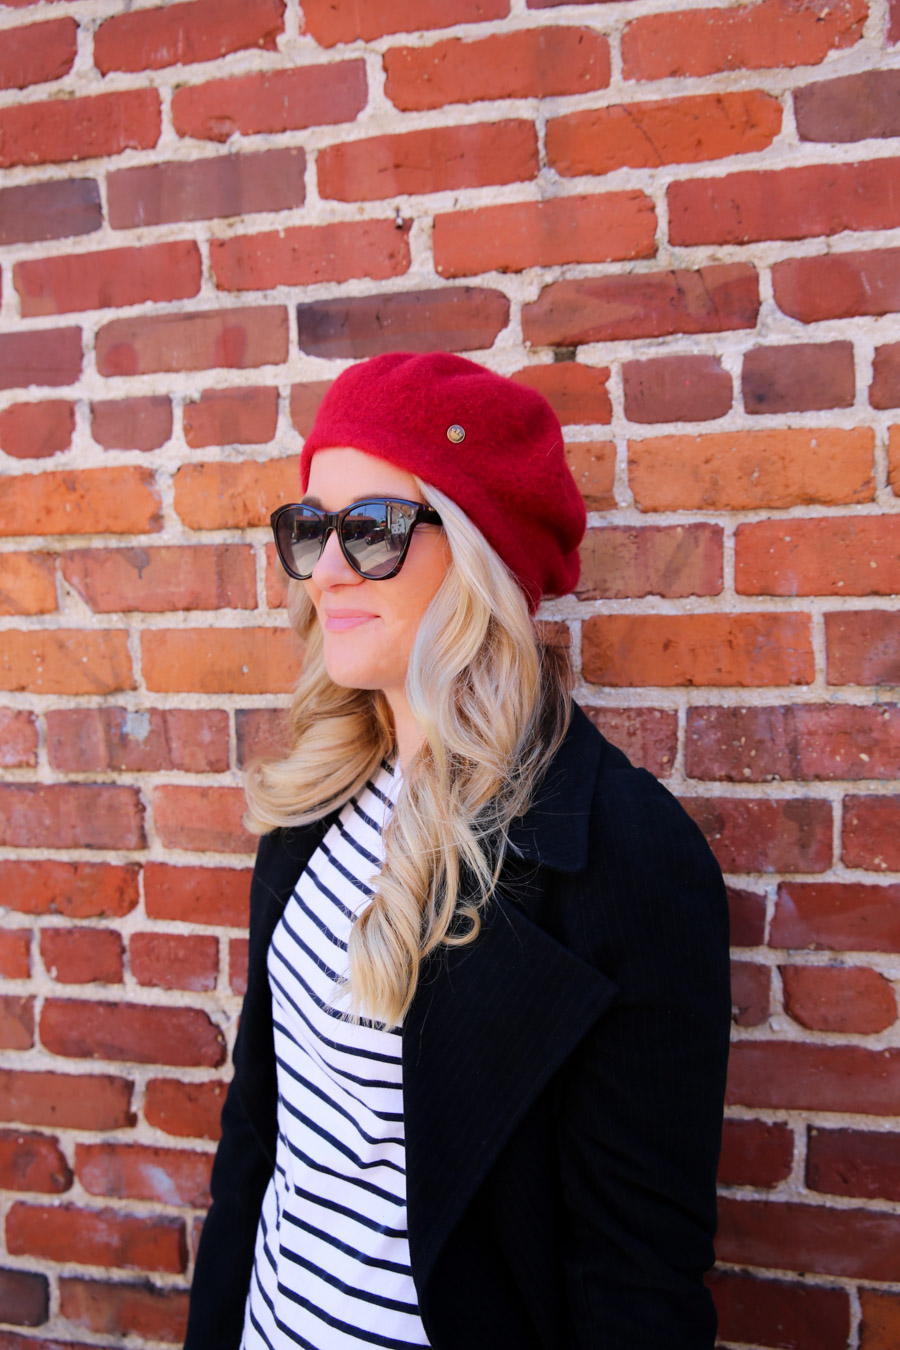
(368,627)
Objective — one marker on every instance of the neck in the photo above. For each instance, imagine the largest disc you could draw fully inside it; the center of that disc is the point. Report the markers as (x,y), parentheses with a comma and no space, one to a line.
(407,731)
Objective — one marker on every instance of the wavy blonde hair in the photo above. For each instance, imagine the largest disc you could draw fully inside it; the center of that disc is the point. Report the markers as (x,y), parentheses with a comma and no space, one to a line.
(493,703)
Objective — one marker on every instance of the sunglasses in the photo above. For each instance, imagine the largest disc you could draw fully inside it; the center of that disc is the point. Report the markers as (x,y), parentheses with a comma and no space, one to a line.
(374,535)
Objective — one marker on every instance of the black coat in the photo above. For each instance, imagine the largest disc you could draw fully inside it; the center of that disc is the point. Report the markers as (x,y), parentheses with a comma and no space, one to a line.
(563,1081)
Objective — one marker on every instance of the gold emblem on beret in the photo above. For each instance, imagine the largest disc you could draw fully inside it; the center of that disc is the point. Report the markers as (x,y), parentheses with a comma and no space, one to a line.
(456,433)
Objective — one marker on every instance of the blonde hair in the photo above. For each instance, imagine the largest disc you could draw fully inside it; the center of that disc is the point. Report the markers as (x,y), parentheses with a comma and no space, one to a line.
(493,703)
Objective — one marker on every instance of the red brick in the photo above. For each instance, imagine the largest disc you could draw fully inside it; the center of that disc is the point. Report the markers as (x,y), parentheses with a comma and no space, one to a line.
(577,393)
(32,1162)
(871,838)
(620,561)
(259,731)
(838,285)
(453,318)
(280,100)
(854,1243)
(8,1339)
(593,466)
(85,501)
(37,53)
(79,1029)
(201,189)
(306,399)
(838,998)
(529,234)
(795,203)
(16,1022)
(698,649)
(27,586)
(330,24)
(755,1153)
(893,34)
(676,389)
(800,742)
(70,815)
(24,1299)
(843,555)
(125,1309)
(532,63)
(223,496)
(436,159)
(665,131)
(747,913)
(852,108)
(237,965)
(648,736)
(62,1100)
(863,647)
(798,378)
(643,304)
(203,819)
(15,953)
(59,661)
(245,416)
(307,254)
(82,955)
(784,1075)
(750,834)
(778,1312)
(47,356)
(752,37)
(55,210)
(169,1176)
(108,277)
(253,335)
(65,129)
(152,580)
(100,740)
(74,890)
(894,441)
(220,660)
(277,580)
(173,961)
(747,470)
(132,423)
(36,430)
(198,895)
(880,1309)
(750,993)
(180,34)
(96,1237)
(884,391)
(189,1110)
(837,916)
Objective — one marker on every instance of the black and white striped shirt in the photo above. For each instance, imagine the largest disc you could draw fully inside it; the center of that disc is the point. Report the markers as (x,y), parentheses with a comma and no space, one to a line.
(331,1269)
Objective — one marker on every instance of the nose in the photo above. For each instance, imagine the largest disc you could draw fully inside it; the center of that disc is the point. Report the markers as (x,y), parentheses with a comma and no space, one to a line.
(332,568)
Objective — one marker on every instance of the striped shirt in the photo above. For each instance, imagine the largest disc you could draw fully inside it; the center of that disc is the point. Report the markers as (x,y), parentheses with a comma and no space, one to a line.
(331,1268)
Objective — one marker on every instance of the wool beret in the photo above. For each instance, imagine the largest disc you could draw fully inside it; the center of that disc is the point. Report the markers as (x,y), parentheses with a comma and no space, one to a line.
(493,446)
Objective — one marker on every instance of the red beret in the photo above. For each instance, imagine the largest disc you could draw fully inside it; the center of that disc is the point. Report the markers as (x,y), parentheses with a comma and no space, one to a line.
(493,446)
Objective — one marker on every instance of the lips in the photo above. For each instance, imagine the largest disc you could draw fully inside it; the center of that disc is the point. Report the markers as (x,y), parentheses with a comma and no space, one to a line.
(340,620)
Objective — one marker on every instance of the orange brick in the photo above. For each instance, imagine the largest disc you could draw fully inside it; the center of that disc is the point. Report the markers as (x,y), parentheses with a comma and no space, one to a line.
(541,234)
(220,660)
(27,583)
(216,896)
(672,560)
(306,399)
(739,470)
(62,661)
(894,460)
(119,1309)
(835,555)
(203,819)
(306,254)
(85,501)
(844,999)
(18,739)
(190,1110)
(180,34)
(330,24)
(82,955)
(36,430)
(246,416)
(37,52)
(754,36)
(433,160)
(664,131)
(75,890)
(577,393)
(698,649)
(105,1237)
(112,276)
(593,465)
(234,338)
(880,1313)
(863,646)
(273,101)
(533,63)
(232,496)
(174,960)
(79,128)
(155,579)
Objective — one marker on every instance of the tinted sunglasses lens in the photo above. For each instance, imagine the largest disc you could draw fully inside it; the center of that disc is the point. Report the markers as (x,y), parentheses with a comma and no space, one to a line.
(374,535)
(299,539)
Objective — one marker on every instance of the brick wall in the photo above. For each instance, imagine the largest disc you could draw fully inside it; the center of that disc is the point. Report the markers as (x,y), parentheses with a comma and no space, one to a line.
(677,221)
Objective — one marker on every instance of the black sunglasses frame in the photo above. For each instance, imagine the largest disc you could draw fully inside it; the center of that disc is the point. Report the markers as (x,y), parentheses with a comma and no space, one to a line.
(334,520)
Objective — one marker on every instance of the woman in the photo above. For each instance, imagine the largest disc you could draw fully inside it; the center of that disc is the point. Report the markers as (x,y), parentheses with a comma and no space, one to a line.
(479,1077)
